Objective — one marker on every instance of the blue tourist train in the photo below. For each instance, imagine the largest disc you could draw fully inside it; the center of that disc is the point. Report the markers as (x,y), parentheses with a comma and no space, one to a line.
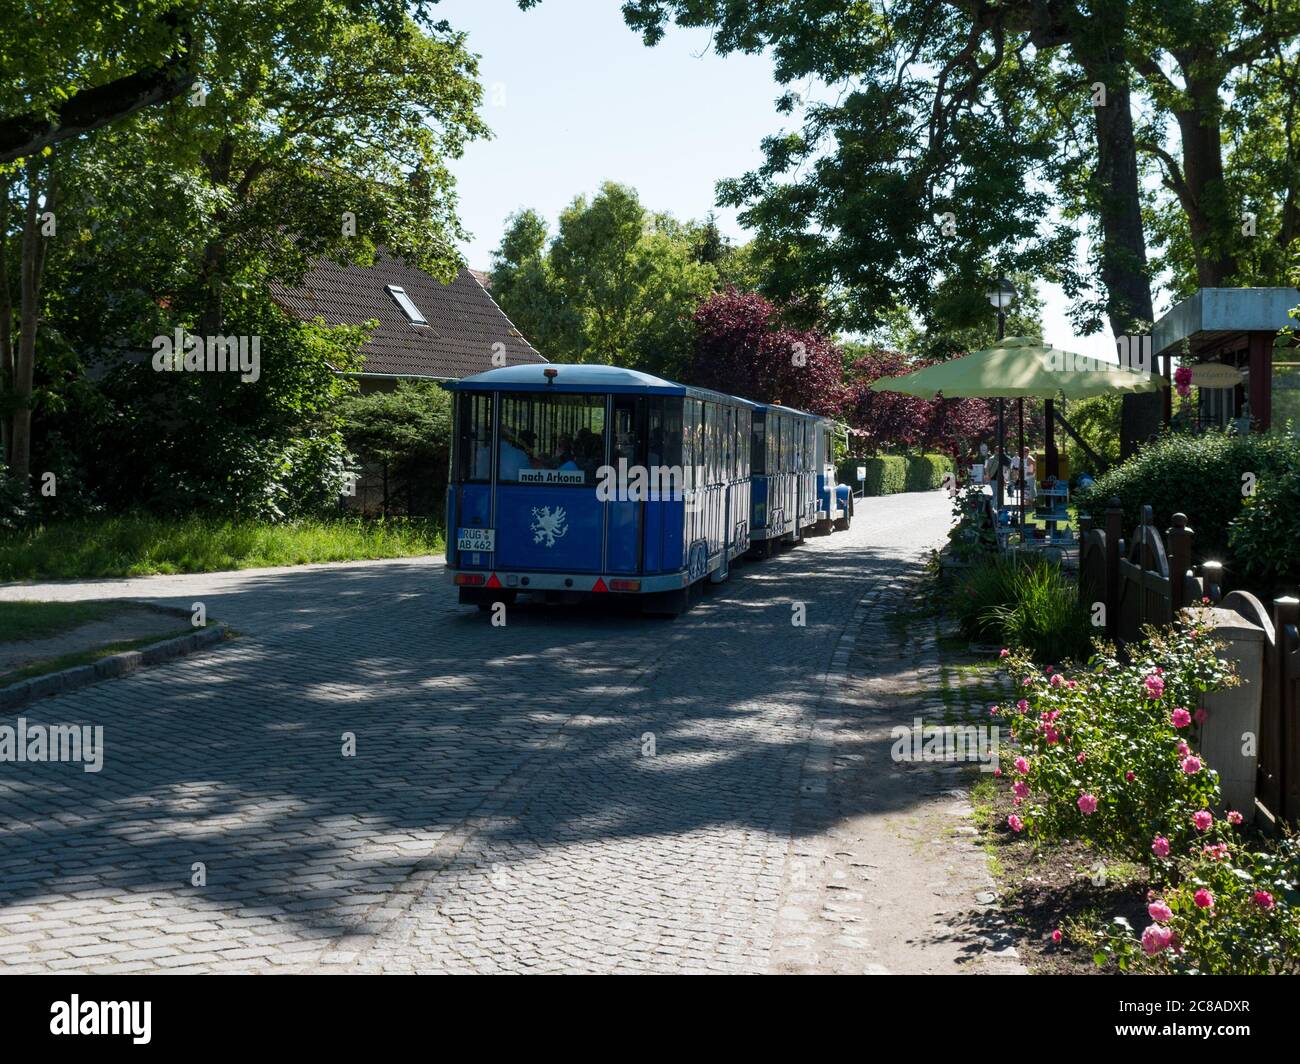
(569,481)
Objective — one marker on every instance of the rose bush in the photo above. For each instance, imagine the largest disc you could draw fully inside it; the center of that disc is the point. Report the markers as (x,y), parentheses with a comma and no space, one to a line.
(1228,910)
(1108,753)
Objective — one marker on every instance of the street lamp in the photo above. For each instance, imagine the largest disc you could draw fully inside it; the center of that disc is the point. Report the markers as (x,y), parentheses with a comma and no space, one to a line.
(1001,295)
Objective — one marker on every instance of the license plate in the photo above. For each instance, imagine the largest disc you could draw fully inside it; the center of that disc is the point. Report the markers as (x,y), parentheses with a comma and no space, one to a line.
(477,539)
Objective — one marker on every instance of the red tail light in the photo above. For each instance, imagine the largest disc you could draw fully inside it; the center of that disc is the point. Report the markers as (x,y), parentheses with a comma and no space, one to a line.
(625,585)
(470,579)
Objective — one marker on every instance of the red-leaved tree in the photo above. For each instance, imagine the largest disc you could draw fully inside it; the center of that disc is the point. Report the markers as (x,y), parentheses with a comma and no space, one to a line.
(742,348)
(885,420)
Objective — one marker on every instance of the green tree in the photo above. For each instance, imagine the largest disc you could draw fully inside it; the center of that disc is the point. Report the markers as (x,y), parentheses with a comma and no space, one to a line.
(405,435)
(617,284)
(322,130)
(984,117)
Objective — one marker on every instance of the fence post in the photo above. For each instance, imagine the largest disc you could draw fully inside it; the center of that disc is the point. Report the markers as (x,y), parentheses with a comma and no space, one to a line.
(1286,616)
(1212,581)
(1114,533)
(1180,560)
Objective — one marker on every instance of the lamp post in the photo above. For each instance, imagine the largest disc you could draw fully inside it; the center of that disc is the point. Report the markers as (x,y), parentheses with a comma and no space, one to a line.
(1001,295)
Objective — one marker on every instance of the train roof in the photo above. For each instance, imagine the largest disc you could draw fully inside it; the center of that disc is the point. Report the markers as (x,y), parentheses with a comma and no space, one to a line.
(791,410)
(582,378)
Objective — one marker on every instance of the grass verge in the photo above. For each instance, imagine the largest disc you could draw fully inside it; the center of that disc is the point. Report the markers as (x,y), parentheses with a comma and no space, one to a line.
(142,545)
(86,657)
(40,620)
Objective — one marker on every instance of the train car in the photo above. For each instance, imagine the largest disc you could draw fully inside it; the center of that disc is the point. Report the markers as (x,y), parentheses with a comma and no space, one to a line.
(834,500)
(783,475)
(573,480)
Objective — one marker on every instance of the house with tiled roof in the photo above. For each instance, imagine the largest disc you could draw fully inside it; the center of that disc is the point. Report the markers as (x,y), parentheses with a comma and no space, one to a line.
(427,330)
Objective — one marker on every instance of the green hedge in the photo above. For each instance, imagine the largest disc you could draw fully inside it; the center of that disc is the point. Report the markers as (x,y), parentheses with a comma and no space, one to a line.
(890,474)
(1202,476)
(925,472)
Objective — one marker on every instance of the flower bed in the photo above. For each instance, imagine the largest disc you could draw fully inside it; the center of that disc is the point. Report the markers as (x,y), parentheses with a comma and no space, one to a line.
(1108,754)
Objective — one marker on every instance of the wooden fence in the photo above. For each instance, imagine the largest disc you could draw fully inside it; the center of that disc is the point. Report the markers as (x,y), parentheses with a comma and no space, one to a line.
(1148,578)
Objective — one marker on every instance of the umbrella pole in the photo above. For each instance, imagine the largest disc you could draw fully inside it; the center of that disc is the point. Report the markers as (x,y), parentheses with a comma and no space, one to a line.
(1020,403)
(1002,435)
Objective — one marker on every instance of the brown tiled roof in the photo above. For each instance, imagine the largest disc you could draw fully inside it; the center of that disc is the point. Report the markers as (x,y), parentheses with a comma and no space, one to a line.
(464,320)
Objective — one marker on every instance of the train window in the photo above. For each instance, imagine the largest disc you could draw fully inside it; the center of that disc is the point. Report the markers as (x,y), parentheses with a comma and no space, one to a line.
(474,437)
(758,444)
(689,415)
(711,441)
(623,439)
(561,433)
(729,444)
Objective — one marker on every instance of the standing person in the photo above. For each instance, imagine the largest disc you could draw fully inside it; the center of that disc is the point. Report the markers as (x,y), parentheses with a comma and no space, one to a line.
(1025,469)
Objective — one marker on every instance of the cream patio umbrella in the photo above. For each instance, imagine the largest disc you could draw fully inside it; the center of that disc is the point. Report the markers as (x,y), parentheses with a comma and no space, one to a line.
(1021,367)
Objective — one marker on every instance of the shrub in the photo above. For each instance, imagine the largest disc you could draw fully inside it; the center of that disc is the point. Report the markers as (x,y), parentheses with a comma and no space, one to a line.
(1264,538)
(886,474)
(1108,754)
(1027,603)
(1200,476)
(925,471)
(972,534)
(1096,420)
(1228,911)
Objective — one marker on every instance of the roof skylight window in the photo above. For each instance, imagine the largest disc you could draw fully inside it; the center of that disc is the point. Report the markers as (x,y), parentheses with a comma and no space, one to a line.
(411,311)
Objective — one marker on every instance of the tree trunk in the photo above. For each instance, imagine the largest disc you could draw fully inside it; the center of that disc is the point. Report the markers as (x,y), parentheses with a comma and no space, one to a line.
(1209,214)
(1119,213)
(33,263)
(6,318)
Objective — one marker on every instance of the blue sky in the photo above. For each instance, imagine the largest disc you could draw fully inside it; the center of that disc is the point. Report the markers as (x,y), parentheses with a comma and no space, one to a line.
(574,99)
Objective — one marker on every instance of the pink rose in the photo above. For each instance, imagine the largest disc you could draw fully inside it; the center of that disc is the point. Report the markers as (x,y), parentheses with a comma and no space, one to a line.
(1183,749)
(1264,899)
(1234,818)
(1081,758)
(1180,718)
(1203,820)
(1087,804)
(1155,686)
(1204,899)
(1057,680)
(1003,652)
(1023,706)
(1021,789)
(1022,766)
(1191,765)
(1160,846)
(997,772)
(1056,936)
(1160,912)
(1015,823)
(1155,939)
(1130,775)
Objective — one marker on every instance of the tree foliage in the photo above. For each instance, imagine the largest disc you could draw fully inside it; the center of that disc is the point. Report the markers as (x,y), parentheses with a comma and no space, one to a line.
(617,284)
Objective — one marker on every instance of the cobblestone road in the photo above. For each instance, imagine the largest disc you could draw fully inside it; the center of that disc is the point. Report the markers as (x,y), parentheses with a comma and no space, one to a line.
(500,812)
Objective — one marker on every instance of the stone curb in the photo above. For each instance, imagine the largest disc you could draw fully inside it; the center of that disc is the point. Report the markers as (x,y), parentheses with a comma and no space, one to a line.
(115,665)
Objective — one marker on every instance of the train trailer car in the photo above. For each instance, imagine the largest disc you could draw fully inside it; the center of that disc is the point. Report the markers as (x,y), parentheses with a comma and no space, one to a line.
(834,500)
(783,476)
(572,480)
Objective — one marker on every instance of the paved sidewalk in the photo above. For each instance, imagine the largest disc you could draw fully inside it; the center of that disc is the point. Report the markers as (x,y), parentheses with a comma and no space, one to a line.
(502,812)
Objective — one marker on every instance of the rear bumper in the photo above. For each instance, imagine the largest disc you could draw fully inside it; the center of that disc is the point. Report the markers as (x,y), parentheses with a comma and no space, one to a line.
(573,582)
